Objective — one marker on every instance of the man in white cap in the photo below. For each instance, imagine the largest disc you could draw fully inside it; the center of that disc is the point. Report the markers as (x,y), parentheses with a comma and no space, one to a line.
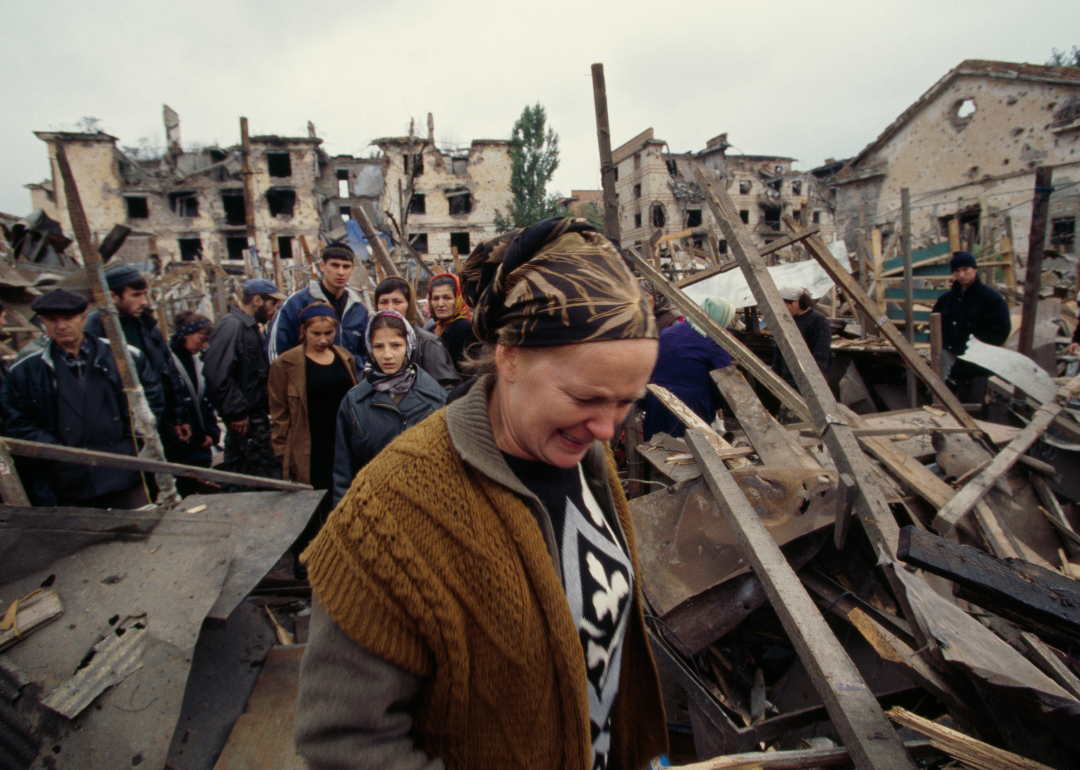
(815,330)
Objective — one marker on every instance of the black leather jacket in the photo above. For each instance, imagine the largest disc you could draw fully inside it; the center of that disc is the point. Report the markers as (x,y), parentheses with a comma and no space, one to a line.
(236,369)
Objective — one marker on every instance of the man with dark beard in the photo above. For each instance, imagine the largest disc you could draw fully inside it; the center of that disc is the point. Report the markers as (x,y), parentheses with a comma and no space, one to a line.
(236,369)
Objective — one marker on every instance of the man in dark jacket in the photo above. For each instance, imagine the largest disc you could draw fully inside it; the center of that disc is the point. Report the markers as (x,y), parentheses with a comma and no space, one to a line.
(394,293)
(128,289)
(970,307)
(815,329)
(69,392)
(236,370)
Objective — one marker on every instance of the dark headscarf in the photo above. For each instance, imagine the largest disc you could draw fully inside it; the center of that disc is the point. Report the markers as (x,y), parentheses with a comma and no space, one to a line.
(557,282)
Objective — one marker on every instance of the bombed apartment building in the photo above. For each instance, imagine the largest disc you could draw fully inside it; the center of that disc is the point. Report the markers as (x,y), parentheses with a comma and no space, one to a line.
(967,150)
(181,204)
(658,195)
(441,199)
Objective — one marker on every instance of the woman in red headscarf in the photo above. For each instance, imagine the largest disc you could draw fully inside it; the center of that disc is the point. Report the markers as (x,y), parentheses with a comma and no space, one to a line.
(451,315)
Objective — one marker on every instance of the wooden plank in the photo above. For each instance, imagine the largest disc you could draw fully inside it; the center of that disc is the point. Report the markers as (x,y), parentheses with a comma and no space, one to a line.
(834,431)
(774,445)
(970,751)
(760,371)
(851,705)
(798,759)
(692,420)
(1010,588)
(776,245)
(1055,513)
(25,616)
(91,457)
(11,488)
(1036,249)
(974,490)
(1045,658)
(907,351)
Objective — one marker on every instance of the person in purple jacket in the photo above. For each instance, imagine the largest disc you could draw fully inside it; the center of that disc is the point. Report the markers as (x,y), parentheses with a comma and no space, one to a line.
(686,357)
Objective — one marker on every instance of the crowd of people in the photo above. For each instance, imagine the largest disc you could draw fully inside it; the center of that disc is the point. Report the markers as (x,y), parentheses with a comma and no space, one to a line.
(476,600)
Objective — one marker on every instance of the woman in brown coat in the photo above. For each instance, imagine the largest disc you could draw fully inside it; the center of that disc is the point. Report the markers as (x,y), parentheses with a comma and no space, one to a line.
(306,386)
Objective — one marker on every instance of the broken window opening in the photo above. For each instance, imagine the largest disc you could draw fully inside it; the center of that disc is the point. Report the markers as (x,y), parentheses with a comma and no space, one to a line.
(460,202)
(637,219)
(659,217)
(672,168)
(233,203)
(460,166)
(774,184)
(419,242)
(796,188)
(137,208)
(616,170)
(184,204)
(217,155)
(284,247)
(771,217)
(693,218)
(698,239)
(721,247)
(234,247)
(343,183)
(418,204)
(817,217)
(190,249)
(281,201)
(744,186)
(965,109)
(279,163)
(461,242)
(778,169)
(744,215)
(345,212)
(1063,234)
(637,161)
(797,216)
(637,190)
(417,163)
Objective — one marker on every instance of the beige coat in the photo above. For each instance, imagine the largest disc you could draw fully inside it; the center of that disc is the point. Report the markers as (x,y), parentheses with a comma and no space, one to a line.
(287,388)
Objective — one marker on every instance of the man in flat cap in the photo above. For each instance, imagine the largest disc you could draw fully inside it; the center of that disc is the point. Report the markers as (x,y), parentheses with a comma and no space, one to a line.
(815,330)
(128,289)
(69,392)
(969,308)
(337,265)
(236,369)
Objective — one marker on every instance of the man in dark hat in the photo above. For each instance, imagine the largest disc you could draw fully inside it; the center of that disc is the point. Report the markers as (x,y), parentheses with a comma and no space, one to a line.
(337,265)
(128,289)
(69,392)
(970,307)
(236,370)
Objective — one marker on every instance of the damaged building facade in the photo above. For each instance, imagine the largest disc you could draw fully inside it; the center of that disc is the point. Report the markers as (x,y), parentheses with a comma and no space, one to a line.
(968,150)
(444,199)
(657,194)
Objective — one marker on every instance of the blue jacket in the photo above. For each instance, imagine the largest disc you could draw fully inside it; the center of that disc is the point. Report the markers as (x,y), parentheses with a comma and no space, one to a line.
(369,419)
(29,402)
(682,366)
(284,331)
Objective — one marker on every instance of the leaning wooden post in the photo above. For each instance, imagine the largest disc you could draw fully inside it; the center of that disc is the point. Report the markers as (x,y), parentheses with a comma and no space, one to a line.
(11,488)
(142,419)
(1036,248)
(249,200)
(855,712)
(607,167)
(909,293)
(936,343)
(828,421)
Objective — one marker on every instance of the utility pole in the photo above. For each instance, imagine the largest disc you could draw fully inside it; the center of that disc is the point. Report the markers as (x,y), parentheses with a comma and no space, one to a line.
(249,198)
(909,294)
(1036,249)
(607,167)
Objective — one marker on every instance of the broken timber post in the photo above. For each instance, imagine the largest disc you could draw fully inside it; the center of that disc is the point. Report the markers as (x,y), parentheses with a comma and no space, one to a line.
(834,431)
(909,293)
(980,484)
(94,458)
(1036,249)
(693,421)
(143,423)
(761,371)
(855,712)
(378,248)
(11,488)
(888,329)
(607,167)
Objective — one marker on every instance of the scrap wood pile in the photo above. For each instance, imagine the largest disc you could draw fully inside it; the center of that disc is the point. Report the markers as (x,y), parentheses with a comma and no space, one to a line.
(884,590)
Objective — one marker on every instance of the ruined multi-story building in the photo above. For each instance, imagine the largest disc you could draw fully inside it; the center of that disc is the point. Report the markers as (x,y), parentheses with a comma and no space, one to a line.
(968,150)
(443,199)
(657,191)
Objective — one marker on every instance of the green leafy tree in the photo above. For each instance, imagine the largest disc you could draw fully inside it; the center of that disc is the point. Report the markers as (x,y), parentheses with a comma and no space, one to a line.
(594,212)
(1063,59)
(534,152)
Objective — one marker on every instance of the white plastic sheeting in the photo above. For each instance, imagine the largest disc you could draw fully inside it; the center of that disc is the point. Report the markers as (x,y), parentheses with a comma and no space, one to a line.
(808,274)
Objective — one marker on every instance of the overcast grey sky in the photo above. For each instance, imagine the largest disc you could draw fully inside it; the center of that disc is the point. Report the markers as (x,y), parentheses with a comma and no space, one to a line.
(802,79)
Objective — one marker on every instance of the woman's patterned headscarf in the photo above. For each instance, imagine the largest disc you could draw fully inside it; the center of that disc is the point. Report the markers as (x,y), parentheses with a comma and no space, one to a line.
(558,282)
(461,310)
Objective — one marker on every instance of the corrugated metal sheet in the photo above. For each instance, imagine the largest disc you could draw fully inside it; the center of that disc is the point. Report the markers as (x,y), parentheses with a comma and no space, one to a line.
(114,658)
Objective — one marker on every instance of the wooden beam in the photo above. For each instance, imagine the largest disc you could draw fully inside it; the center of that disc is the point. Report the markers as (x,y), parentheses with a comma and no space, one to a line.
(971,752)
(1016,590)
(693,421)
(725,339)
(888,329)
(1036,249)
(825,414)
(973,491)
(1055,513)
(11,488)
(607,167)
(94,458)
(1044,656)
(798,759)
(854,710)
